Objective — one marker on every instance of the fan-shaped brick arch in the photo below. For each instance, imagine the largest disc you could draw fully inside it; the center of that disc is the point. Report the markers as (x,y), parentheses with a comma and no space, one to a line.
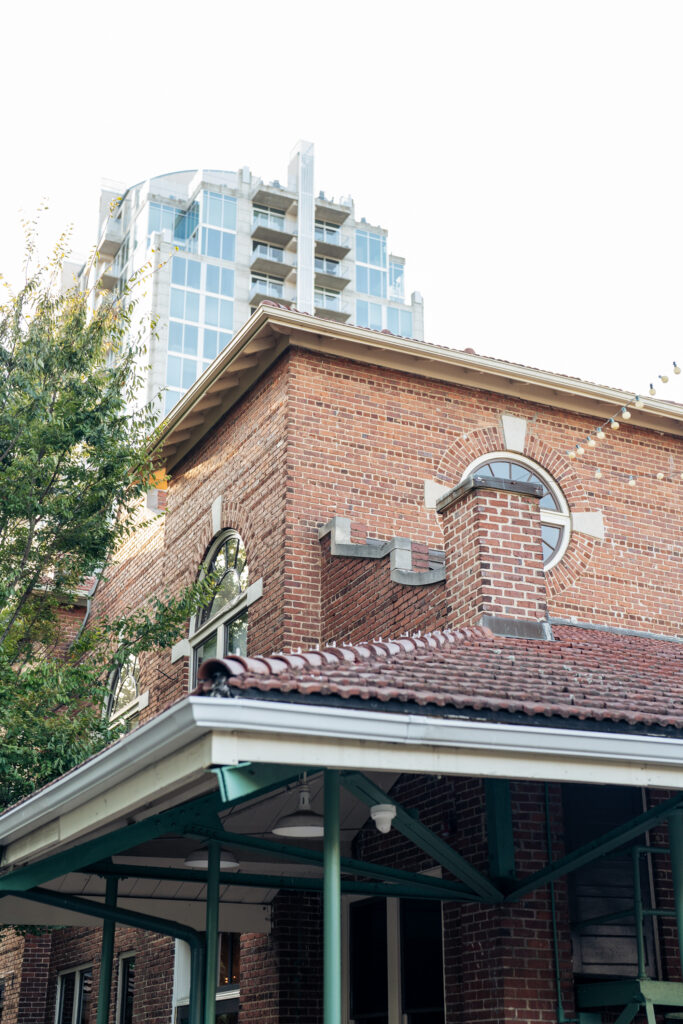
(233,517)
(476,443)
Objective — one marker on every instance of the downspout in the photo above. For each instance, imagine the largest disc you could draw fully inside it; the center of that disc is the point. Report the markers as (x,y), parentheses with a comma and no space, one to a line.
(561,1018)
(134,920)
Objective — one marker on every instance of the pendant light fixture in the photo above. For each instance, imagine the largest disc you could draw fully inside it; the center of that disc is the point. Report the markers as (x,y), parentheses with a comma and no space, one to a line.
(199,860)
(304,823)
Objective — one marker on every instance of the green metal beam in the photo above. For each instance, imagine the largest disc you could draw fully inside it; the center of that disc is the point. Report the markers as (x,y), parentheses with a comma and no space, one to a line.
(106,956)
(241,782)
(249,880)
(350,866)
(331,903)
(134,920)
(499,830)
(596,848)
(77,857)
(676,844)
(365,790)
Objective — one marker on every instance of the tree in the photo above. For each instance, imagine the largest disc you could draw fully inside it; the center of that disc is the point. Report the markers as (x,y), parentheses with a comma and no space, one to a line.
(75,465)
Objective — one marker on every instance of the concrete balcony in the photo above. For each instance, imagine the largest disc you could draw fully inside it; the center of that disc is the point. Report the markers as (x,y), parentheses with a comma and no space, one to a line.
(274,291)
(108,278)
(331,213)
(331,244)
(326,278)
(272,231)
(267,260)
(340,316)
(274,197)
(111,239)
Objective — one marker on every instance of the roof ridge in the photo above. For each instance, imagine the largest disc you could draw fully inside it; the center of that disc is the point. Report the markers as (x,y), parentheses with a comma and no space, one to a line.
(317,657)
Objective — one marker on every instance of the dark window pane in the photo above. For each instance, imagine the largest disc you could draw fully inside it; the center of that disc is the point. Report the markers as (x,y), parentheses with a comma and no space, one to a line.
(229,964)
(368,960)
(67,991)
(236,635)
(421,958)
(85,1005)
(550,536)
(127,990)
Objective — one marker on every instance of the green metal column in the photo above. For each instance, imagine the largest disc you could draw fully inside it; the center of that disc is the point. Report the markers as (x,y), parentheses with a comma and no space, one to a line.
(107,955)
(676,845)
(210,967)
(332,902)
(196,984)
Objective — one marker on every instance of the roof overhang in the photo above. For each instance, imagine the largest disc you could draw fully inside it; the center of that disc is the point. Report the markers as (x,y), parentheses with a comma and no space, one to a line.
(272,329)
(167,761)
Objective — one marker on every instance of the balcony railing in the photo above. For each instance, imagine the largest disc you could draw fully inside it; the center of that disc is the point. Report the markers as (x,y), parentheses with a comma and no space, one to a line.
(272,289)
(268,252)
(269,220)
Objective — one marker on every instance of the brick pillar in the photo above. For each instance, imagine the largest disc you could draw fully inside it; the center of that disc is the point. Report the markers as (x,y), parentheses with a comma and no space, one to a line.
(494,557)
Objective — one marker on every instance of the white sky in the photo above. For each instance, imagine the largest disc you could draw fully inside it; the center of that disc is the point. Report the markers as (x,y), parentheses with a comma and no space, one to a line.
(525,155)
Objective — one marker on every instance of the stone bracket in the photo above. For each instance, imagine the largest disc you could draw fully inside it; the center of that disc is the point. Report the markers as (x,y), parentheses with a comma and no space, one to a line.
(399,550)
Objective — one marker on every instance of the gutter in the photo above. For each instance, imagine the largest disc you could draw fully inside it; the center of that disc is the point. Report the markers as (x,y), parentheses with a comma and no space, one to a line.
(329,727)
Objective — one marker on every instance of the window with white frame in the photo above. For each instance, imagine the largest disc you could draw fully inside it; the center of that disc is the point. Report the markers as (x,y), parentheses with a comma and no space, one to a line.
(371,263)
(126,989)
(124,700)
(74,996)
(326,298)
(227,980)
(220,627)
(394,962)
(554,510)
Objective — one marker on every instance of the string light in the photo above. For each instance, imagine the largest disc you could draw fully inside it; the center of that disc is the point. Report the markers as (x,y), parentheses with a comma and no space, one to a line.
(637,402)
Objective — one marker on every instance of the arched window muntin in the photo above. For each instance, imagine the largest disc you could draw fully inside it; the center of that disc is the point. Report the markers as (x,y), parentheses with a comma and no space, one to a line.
(553,507)
(220,627)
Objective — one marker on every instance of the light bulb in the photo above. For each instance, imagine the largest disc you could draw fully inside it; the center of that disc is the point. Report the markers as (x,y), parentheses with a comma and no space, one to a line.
(572,455)
(600,434)
(598,474)
(660,476)
(652,390)
(625,414)
(677,368)
(632,481)
(639,403)
(591,442)
(664,379)
(580,450)
(614,424)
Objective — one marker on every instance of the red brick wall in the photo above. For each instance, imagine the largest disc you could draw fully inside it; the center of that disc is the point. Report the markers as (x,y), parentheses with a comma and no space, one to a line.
(360,602)
(494,561)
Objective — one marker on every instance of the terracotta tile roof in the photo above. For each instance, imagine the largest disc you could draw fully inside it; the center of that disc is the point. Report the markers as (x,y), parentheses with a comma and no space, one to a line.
(583,674)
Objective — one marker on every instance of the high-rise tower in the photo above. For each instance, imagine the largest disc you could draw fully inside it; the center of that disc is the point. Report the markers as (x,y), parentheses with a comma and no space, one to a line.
(226,241)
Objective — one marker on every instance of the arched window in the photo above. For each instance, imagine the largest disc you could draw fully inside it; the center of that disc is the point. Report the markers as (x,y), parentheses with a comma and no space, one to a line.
(220,627)
(555,516)
(124,700)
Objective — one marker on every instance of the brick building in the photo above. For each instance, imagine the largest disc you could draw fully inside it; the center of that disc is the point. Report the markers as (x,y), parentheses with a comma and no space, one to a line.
(430,765)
